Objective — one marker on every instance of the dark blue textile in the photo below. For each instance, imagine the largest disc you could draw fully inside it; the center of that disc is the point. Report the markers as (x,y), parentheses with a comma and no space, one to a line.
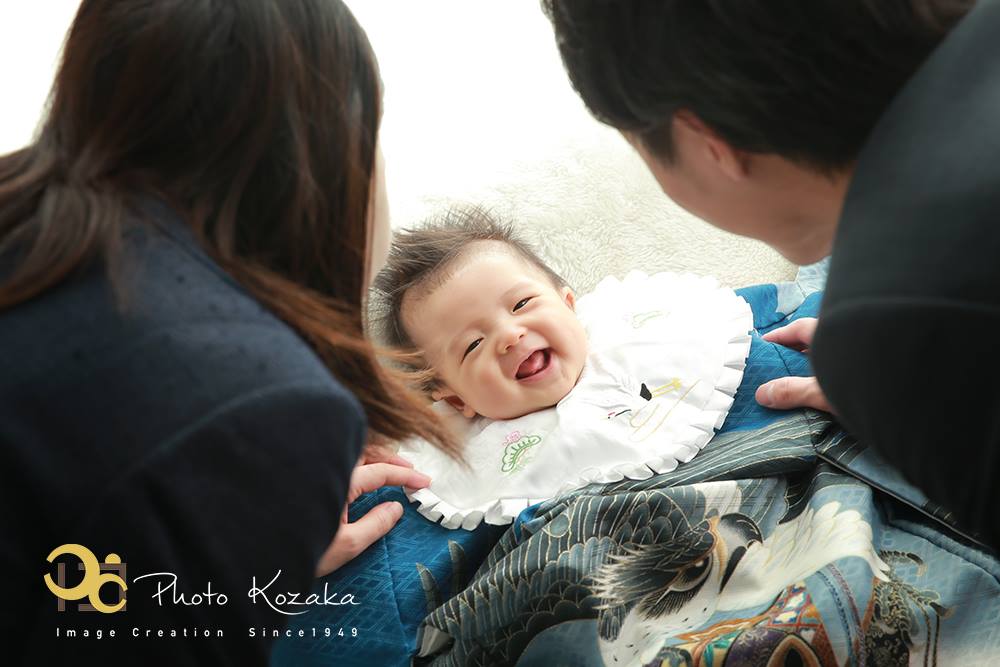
(188,431)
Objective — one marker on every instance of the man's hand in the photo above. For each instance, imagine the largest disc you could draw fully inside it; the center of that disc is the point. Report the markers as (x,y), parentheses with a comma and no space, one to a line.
(353,538)
(793,392)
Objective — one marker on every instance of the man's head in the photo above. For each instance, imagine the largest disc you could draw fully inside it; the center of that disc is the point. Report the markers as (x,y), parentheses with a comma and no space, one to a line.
(493,322)
(750,113)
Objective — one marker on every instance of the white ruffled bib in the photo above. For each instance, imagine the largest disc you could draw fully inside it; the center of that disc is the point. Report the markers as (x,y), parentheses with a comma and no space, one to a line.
(666,357)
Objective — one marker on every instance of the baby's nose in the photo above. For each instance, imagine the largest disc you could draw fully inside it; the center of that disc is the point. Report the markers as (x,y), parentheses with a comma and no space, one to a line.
(511,337)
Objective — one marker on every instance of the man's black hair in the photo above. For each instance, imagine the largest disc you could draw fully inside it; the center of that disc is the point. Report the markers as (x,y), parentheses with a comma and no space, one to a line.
(804,79)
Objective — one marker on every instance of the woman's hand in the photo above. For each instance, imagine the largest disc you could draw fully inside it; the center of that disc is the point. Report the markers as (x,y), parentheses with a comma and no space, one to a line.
(377,468)
(793,392)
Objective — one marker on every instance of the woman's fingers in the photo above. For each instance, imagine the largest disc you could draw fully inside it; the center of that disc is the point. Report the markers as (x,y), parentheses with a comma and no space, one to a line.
(793,392)
(353,538)
(384,457)
(397,460)
(378,521)
(798,335)
(382,454)
(373,476)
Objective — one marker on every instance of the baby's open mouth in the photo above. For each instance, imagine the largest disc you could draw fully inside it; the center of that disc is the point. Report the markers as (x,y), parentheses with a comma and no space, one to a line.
(536,362)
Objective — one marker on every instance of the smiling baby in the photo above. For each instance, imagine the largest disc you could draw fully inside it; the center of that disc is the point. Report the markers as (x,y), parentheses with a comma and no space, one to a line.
(548,392)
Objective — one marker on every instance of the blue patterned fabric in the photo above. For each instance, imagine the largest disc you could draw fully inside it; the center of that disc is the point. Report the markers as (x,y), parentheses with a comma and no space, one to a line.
(574,577)
(396,581)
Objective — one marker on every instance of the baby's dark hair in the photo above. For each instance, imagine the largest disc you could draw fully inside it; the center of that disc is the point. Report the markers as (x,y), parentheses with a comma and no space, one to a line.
(420,258)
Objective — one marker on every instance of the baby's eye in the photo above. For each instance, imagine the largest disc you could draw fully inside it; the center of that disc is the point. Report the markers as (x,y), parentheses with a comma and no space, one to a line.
(522,303)
(473,345)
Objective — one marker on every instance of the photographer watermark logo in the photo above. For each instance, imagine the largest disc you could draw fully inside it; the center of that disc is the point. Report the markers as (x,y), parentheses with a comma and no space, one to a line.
(95,576)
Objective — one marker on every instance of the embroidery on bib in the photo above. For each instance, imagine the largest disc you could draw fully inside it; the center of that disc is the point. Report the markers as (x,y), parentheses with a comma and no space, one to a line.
(639,320)
(517,451)
(652,409)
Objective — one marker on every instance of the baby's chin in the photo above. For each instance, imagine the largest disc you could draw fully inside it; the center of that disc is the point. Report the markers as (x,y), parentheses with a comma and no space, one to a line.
(531,404)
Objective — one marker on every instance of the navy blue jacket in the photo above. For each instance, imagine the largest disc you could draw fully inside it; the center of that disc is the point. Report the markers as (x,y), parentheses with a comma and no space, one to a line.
(191,433)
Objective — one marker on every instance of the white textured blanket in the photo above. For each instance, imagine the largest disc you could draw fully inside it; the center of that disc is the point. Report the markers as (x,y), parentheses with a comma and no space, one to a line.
(478,109)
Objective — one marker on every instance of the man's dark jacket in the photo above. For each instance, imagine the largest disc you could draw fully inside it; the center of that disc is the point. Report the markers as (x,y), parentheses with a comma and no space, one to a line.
(908,345)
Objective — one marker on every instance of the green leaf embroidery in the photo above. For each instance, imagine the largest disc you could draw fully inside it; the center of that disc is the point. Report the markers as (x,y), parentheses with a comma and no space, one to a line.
(515,454)
(639,320)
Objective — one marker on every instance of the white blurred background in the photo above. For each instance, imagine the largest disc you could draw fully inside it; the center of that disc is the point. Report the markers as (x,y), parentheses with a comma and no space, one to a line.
(477,109)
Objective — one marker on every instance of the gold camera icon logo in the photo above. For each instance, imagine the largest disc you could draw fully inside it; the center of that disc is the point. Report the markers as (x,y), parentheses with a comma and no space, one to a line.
(95,576)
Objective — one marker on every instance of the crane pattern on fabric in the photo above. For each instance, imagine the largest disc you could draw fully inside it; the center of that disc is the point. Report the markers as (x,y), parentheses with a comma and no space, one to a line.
(686,568)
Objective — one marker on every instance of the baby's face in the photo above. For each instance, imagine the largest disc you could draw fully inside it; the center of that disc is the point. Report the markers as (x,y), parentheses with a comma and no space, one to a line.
(502,340)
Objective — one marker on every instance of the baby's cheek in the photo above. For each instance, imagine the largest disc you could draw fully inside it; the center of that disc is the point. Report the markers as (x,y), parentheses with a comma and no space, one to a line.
(483,382)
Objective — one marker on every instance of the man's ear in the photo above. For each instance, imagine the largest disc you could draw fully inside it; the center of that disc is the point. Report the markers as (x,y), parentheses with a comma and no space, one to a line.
(443,393)
(569,298)
(689,128)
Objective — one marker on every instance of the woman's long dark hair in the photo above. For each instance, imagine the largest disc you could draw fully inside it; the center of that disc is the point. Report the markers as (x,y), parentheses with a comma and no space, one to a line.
(257,122)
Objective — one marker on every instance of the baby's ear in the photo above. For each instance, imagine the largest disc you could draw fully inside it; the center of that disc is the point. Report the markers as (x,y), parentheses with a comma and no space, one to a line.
(569,298)
(442,393)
